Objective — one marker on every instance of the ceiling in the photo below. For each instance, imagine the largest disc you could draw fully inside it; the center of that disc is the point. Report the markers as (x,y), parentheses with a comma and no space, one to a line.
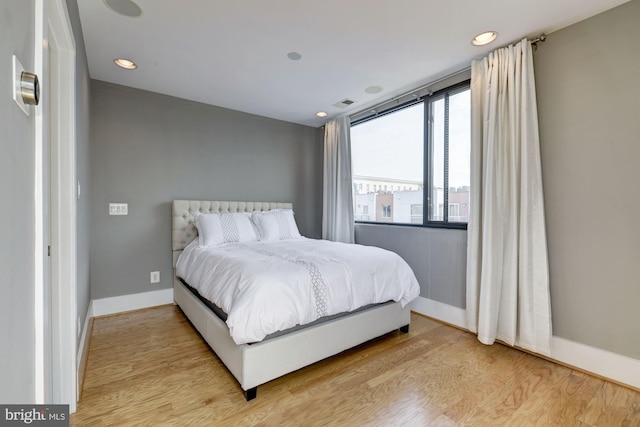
(233,53)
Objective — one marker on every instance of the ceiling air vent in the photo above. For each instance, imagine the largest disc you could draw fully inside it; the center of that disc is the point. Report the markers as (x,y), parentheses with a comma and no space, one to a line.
(344,103)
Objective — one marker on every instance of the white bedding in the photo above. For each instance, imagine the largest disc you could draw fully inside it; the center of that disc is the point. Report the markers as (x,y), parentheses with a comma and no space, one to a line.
(269,286)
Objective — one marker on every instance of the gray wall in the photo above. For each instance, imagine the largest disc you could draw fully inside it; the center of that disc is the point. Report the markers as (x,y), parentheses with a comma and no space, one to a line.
(437,256)
(17,351)
(588,97)
(148,149)
(83,212)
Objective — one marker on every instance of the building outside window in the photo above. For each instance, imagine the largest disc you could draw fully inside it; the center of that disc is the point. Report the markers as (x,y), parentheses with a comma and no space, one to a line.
(416,213)
(423,144)
(454,210)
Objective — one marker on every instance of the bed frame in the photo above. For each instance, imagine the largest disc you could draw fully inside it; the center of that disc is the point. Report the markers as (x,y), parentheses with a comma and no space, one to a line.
(255,364)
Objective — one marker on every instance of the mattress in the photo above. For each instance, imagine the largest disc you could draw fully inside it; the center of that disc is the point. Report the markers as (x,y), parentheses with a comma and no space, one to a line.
(271,286)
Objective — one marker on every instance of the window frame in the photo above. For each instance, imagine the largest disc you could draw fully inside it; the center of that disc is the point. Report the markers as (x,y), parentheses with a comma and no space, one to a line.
(428,100)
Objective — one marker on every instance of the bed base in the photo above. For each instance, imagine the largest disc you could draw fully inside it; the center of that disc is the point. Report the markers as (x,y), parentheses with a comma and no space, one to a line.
(256,364)
(251,393)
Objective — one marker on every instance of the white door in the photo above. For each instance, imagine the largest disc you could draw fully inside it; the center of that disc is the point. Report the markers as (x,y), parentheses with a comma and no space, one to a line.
(51,51)
(55,191)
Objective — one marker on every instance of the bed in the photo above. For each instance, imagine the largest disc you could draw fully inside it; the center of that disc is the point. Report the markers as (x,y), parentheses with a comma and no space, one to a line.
(255,363)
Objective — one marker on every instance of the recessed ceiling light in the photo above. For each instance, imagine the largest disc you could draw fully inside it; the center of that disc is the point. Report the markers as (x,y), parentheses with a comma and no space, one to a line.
(373,89)
(294,56)
(484,38)
(321,114)
(124,7)
(125,63)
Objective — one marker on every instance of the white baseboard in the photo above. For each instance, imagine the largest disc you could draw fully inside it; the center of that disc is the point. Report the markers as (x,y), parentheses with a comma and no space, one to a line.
(440,311)
(603,363)
(83,350)
(112,305)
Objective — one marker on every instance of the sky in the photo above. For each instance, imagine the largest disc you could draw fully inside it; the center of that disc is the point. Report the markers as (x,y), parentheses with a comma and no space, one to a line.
(392,145)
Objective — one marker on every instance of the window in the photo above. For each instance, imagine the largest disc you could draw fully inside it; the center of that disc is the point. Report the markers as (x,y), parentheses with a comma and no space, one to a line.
(454,210)
(416,214)
(362,207)
(417,146)
(449,156)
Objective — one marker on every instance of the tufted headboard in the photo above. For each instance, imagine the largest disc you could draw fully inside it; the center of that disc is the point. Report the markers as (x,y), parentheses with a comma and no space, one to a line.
(182,229)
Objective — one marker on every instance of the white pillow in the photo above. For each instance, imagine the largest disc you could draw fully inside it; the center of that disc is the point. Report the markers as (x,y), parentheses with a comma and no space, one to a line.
(218,228)
(277,224)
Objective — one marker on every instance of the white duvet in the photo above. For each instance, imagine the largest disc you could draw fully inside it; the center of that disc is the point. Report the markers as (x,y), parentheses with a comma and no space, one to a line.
(265,287)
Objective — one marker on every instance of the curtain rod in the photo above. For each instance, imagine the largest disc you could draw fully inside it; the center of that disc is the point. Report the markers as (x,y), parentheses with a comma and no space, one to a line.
(541,38)
(418,89)
(534,42)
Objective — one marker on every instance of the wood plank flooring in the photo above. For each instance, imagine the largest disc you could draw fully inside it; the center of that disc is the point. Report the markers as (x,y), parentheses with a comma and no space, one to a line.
(150,367)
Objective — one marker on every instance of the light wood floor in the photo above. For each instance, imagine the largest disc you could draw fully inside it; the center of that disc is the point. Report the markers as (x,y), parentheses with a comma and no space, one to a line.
(150,367)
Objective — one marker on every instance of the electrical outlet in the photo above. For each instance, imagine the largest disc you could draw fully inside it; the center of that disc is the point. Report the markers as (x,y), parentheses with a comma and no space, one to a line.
(154,277)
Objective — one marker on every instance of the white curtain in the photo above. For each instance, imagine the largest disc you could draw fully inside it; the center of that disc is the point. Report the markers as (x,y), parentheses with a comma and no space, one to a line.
(507,264)
(337,208)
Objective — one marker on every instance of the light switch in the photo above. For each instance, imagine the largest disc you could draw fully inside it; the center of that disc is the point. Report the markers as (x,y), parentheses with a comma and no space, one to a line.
(118,209)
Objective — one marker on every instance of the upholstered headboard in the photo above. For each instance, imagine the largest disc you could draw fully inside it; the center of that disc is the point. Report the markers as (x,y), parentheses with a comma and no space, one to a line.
(182,229)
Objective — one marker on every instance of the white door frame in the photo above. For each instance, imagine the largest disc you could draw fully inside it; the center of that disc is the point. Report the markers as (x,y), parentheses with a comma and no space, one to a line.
(56,373)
